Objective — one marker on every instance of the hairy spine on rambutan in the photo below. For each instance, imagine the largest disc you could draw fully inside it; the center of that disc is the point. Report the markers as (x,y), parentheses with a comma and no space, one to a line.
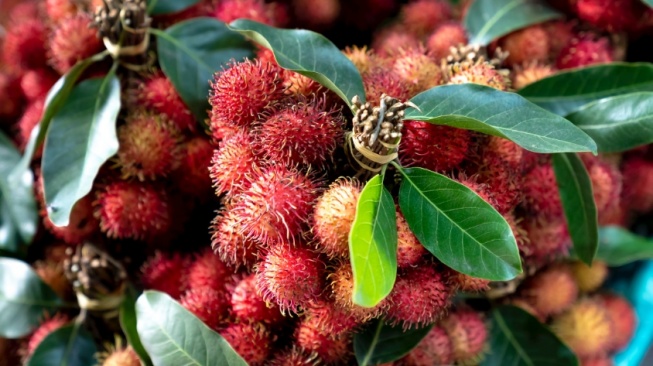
(23,46)
(293,357)
(331,318)
(166,273)
(121,357)
(209,305)
(257,10)
(409,250)
(481,73)
(73,40)
(252,341)
(546,239)
(468,333)
(438,148)
(379,81)
(541,195)
(434,349)
(466,283)
(363,58)
(248,305)
(447,35)
(341,280)
(208,271)
(158,94)
(229,240)
(191,175)
(586,328)
(417,69)
(421,17)
(44,329)
(232,164)
(527,44)
(530,72)
(550,291)
(330,349)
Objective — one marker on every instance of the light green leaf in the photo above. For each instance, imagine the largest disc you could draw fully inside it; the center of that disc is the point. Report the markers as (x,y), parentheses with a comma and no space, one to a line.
(380,343)
(128,325)
(160,7)
(373,244)
(567,91)
(309,54)
(648,2)
(519,339)
(70,345)
(577,199)
(190,52)
(618,246)
(487,20)
(24,298)
(487,110)
(457,226)
(174,336)
(81,138)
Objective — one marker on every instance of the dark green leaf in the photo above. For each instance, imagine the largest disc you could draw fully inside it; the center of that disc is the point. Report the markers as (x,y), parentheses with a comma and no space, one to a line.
(577,199)
(18,212)
(457,226)
(174,336)
(309,54)
(487,20)
(618,246)
(191,51)
(487,110)
(618,123)
(519,339)
(70,345)
(81,137)
(24,298)
(373,244)
(160,7)
(128,325)
(567,91)
(380,343)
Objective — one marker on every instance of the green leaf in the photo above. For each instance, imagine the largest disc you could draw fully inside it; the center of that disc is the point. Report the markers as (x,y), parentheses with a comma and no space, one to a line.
(373,244)
(567,91)
(191,51)
(618,123)
(380,343)
(577,199)
(24,298)
(160,7)
(618,246)
(487,20)
(519,339)
(487,110)
(70,345)
(18,212)
(648,2)
(309,54)
(457,226)
(81,137)
(174,336)
(128,325)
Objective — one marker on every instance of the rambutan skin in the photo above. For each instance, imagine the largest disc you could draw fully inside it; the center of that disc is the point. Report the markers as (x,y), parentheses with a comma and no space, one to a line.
(229,240)
(293,357)
(468,333)
(379,81)
(191,176)
(447,35)
(529,44)
(83,225)
(387,41)
(438,148)
(166,273)
(434,349)
(623,317)
(24,45)
(584,52)
(586,328)
(637,193)
(331,318)
(250,341)
(158,94)
(30,119)
(249,306)
(209,305)
(35,84)
(122,357)
(541,195)
(73,40)
(330,349)
(589,278)
(208,271)
(478,73)
(610,15)
(48,326)
(418,70)
(256,10)
(550,291)
(529,73)
(232,163)
(546,239)
(409,250)
(342,288)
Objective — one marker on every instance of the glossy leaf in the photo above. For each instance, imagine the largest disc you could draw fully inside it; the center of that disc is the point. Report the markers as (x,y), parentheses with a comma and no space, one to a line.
(24,298)
(519,339)
(81,138)
(309,54)
(18,212)
(174,336)
(487,110)
(160,7)
(618,246)
(373,244)
(487,20)
(380,343)
(618,123)
(567,91)
(190,52)
(70,345)
(128,325)
(575,189)
(457,226)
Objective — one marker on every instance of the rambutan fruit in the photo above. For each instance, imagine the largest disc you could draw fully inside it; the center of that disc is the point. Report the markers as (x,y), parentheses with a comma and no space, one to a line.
(44,329)
(316,14)
(166,273)
(12,98)
(546,239)
(24,45)
(541,195)
(551,291)
(478,73)
(584,51)
(191,174)
(434,147)
(387,41)
(232,163)
(249,306)
(586,328)
(417,70)
(560,33)
(409,250)
(30,119)
(418,298)
(623,317)
(379,81)
(637,193)
(610,15)
(158,94)
(24,11)
(208,271)
(502,183)
(277,205)
(133,210)
(331,318)
(468,334)
(209,305)
(58,10)
(530,44)
(293,357)
(330,349)
(529,73)
(290,276)
(588,278)
(606,186)
(596,361)
(242,92)
(333,216)
(363,58)
(466,283)
(434,349)
(298,85)
(35,84)
(256,10)
(252,341)
(481,189)
(73,40)
(52,273)
(122,357)
(82,226)
(228,240)
(302,132)
(342,289)
(150,146)
(445,36)
(421,17)
(505,150)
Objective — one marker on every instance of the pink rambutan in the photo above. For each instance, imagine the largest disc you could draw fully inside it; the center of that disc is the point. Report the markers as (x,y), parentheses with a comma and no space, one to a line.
(232,163)
(468,334)
(158,94)
(623,317)
(610,15)
(83,224)
(228,240)
(637,193)
(584,52)
(550,291)
(540,189)
(342,289)
(35,84)
(409,250)
(121,357)
(417,70)
(530,44)
(30,119)
(434,349)
(330,349)
(529,73)
(73,40)
(58,10)
(24,45)
(445,36)
(12,98)
(249,306)
(331,318)
(208,271)
(379,81)
(256,10)
(191,176)
(293,357)
(421,17)
(25,11)
(252,341)
(166,273)
(209,305)
(133,210)
(439,148)
(418,298)
(44,329)
(546,239)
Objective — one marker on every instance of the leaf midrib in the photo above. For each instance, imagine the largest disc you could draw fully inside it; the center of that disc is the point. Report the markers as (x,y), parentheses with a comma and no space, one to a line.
(509,336)
(493,20)
(373,344)
(181,47)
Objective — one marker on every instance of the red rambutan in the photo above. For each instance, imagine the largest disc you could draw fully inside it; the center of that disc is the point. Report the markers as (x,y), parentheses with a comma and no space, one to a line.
(83,224)
(252,342)
(434,349)
(606,186)
(584,52)
(551,291)
(417,70)
(409,250)
(232,163)
(468,333)
(256,10)
(12,98)
(30,119)
(342,289)
(208,271)
(330,349)
(546,239)
(586,328)
(316,14)
(48,326)
(421,17)
(623,317)
(25,11)
(58,10)
(530,44)
(502,182)
(447,35)
(439,148)
(35,84)
(379,81)
(331,318)
(24,45)
(249,306)
(541,195)
(293,357)
(610,15)
(73,40)
(166,273)
(191,175)
(158,94)
(229,241)
(209,305)
(637,193)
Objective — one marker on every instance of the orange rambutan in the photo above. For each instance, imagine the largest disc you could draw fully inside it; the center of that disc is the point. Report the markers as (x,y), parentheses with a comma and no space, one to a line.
(637,193)
(445,36)
(252,341)
(550,291)
(248,305)
(409,250)
(466,283)
(23,47)
(73,40)
(586,328)
(417,70)
(584,51)
(35,84)
(44,329)
(191,175)
(589,278)
(330,349)
(434,147)
(468,333)
(421,17)
(379,81)
(363,58)
(331,318)
(166,273)
(529,73)
(58,10)
(158,94)
(82,226)
(478,73)
(530,44)
(434,349)
(623,317)
(342,288)
(209,305)
(229,241)
(541,195)
(256,10)
(122,357)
